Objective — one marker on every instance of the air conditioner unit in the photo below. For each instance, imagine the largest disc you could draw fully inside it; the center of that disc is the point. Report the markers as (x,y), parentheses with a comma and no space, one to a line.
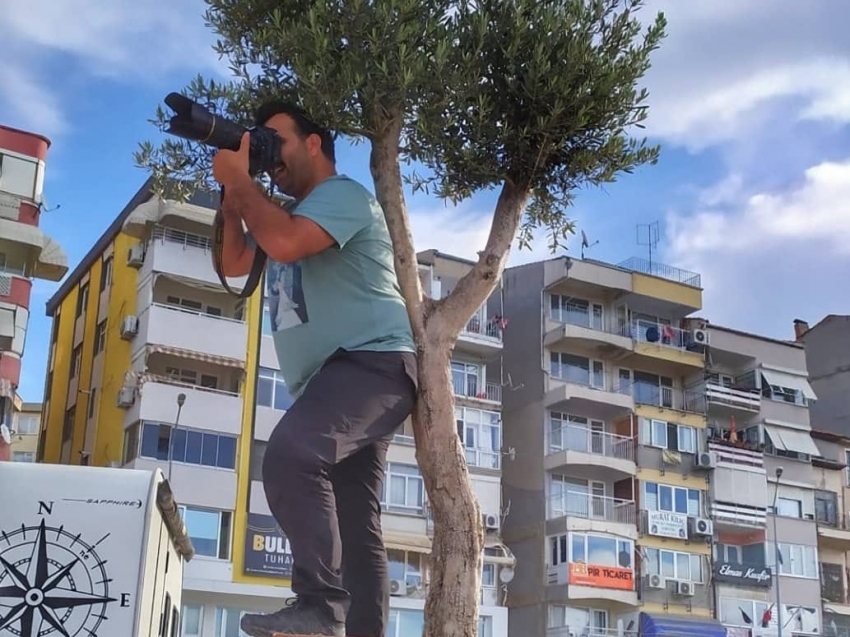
(706,460)
(700,337)
(129,327)
(491,522)
(398,588)
(685,589)
(655,581)
(126,396)
(701,527)
(136,255)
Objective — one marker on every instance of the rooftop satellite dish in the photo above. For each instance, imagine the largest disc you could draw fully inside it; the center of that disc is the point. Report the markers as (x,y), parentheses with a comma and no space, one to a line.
(5,434)
(506,575)
(585,243)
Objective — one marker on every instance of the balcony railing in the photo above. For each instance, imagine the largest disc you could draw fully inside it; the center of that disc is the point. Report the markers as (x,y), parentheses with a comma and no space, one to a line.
(669,397)
(661,270)
(591,507)
(472,388)
(583,440)
(483,458)
(480,326)
(748,400)
(659,334)
(736,456)
(583,631)
(181,238)
(186,310)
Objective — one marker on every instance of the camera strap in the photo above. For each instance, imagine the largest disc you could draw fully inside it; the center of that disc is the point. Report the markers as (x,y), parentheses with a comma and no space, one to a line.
(257,267)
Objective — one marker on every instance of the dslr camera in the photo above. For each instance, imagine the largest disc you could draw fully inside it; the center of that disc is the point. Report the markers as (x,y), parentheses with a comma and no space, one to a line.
(194,122)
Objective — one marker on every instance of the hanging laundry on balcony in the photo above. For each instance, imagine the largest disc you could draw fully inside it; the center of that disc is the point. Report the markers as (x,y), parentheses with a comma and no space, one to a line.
(733,430)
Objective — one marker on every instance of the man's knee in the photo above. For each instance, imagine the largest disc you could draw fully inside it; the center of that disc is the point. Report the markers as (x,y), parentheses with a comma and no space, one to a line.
(290,451)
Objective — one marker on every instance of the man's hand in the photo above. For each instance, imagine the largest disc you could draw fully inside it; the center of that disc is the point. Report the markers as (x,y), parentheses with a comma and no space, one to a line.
(229,166)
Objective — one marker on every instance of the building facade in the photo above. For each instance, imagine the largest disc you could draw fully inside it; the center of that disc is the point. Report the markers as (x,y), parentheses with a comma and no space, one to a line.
(608,492)
(828,358)
(763,489)
(26,253)
(153,363)
(25,430)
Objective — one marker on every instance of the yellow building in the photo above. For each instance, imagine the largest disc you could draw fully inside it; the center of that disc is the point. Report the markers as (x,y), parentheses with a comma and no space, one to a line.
(152,363)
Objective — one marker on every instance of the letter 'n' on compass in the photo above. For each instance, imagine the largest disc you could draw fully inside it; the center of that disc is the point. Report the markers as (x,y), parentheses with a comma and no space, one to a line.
(52,581)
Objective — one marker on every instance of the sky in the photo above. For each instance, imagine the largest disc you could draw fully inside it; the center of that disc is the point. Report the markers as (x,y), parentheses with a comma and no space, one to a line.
(750,102)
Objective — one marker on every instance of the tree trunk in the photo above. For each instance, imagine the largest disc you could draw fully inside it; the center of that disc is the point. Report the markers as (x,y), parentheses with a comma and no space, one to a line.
(451,609)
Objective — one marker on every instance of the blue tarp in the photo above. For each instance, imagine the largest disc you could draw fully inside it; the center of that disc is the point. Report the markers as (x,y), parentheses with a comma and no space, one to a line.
(673,626)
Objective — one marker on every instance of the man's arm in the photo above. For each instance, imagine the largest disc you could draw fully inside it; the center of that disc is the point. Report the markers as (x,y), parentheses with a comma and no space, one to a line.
(237,255)
(283,237)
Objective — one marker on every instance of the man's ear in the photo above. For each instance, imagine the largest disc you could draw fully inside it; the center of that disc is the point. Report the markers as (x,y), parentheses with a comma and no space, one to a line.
(314,145)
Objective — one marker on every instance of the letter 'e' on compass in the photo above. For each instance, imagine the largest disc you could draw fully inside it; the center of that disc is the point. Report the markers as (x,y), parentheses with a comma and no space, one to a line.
(52,582)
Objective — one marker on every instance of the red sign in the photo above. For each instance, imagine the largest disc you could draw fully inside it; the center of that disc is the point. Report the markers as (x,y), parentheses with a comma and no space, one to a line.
(602,576)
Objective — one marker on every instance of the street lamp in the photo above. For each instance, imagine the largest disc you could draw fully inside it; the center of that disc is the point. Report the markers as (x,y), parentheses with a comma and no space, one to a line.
(181,398)
(776,557)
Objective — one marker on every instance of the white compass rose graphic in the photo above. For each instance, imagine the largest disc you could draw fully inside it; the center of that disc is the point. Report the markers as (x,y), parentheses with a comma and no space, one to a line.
(52,582)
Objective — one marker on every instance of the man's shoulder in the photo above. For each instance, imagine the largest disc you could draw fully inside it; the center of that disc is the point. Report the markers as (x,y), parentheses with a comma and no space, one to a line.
(344,186)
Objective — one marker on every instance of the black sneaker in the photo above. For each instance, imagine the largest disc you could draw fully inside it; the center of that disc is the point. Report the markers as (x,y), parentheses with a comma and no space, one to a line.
(297,617)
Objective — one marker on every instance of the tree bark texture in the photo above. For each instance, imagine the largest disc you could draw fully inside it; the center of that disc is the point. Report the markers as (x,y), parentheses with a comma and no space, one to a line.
(451,609)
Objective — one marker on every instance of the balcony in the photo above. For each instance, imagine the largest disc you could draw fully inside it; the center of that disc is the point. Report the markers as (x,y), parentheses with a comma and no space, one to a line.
(471,389)
(666,342)
(662,271)
(833,533)
(184,254)
(583,511)
(568,327)
(212,409)
(593,396)
(181,329)
(481,336)
(650,395)
(739,493)
(575,445)
(734,400)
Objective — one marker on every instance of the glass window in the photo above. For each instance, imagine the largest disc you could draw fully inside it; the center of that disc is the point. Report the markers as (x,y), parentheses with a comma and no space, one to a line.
(404,490)
(190,447)
(209,531)
(272,391)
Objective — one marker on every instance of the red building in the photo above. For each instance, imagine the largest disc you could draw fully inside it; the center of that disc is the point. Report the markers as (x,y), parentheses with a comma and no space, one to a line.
(26,253)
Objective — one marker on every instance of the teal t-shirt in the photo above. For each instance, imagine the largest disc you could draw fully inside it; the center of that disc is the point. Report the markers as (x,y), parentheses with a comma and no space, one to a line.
(344,297)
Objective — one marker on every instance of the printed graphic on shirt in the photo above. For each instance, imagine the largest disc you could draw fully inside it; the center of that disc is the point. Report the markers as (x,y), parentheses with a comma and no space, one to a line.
(286,296)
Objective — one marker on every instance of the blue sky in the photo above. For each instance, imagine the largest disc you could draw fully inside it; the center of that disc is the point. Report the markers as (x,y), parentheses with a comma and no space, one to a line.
(750,102)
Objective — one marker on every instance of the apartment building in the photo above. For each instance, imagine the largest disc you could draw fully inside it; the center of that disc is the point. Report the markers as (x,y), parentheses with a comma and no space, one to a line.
(26,253)
(608,491)
(152,363)
(827,346)
(24,431)
(764,484)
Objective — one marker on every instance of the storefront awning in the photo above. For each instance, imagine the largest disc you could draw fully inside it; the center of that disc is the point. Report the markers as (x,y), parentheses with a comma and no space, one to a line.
(783,379)
(786,439)
(401,541)
(674,626)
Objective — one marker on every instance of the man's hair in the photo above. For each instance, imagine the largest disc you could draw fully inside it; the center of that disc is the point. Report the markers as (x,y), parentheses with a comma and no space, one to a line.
(303,124)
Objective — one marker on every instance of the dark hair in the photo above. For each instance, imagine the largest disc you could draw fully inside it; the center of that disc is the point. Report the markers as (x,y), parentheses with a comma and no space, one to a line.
(303,123)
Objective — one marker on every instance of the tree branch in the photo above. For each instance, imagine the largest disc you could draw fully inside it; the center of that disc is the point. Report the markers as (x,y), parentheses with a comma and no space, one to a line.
(386,174)
(478,284)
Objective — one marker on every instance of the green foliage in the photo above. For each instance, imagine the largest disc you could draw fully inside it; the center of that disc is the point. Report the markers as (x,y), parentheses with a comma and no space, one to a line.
(540,93)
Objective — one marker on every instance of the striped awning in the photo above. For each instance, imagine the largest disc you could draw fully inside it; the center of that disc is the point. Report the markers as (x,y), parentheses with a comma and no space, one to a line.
(402,541)
(51,260)
(204,357)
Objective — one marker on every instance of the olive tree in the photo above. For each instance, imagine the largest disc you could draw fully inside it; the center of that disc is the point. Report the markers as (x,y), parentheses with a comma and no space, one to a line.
(531,98)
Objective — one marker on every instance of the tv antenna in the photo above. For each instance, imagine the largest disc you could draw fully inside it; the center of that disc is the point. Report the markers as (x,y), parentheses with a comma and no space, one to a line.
(647,235)
(585,243)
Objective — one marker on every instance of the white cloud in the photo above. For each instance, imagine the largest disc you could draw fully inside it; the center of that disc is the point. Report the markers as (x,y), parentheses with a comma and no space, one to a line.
(30,106)
(766,257)
(728,68)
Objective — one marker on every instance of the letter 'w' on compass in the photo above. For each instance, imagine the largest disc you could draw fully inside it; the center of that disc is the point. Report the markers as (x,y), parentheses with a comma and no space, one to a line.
(51,582)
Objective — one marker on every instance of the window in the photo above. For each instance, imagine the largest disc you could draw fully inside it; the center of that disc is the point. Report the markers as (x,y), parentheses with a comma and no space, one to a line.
(267,319)
(76,360)
(796,560)
(577,369)
(481,434)
(20,176)
(272,391)
(465,379)
(677,565)
(743,612)
(590,548)
(404,490)
(82,299)
(193,619)
(789,508)
(567,309)
(100,337)
(106,274)
(580,498)
(406,566)
(649,389)
(575,433)
(191,377)
(668,435)
(588,621)
(746,554)
(27,425)
(186,303)
(190,447)
(68,424)
(92,402)
(23,456)
(209,531)
(664,497)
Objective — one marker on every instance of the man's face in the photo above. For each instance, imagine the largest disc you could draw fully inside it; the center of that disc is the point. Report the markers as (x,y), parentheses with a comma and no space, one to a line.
(295,174)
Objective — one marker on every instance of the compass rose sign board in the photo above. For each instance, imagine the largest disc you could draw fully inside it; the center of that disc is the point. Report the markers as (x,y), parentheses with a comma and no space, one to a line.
(88,552)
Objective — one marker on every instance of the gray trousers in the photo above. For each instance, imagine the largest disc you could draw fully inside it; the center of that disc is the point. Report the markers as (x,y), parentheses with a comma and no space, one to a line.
(323,474)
